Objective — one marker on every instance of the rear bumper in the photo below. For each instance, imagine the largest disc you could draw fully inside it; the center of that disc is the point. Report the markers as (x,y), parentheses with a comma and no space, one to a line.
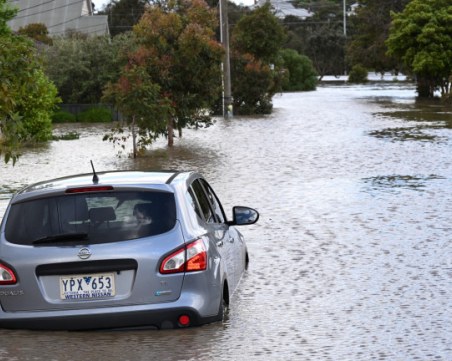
(104,318)
(200,303)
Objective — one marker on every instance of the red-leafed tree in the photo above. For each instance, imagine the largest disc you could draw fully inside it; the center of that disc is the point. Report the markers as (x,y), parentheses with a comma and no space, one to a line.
(136,97)
(179,69)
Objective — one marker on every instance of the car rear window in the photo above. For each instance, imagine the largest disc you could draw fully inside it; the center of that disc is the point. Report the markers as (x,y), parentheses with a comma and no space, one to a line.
(92,217)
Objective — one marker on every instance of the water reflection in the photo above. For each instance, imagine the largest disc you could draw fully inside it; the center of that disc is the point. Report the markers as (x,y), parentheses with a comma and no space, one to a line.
(351,257)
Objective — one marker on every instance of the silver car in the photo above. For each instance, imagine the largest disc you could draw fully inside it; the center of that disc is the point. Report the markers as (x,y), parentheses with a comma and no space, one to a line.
(117,250)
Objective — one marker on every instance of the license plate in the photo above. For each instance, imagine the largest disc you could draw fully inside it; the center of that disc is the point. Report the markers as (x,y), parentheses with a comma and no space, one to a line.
(87,287)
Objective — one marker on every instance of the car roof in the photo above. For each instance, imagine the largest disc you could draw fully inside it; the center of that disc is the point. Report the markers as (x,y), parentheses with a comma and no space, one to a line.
(105,178)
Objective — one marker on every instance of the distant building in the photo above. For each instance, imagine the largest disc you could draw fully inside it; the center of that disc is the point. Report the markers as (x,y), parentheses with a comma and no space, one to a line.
(59,16)
(284,8)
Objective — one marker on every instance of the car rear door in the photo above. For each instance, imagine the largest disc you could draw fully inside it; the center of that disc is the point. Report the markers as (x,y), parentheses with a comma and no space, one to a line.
(237,245)
(213,215)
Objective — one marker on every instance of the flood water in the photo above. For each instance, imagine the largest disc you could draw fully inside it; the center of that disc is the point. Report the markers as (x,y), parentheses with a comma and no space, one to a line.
(351,258)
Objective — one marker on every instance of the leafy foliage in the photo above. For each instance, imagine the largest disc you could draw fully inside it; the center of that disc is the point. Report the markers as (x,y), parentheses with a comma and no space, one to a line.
(358,74)
(421,37)
(62,116)
(81,66)
(301,73)
(255,66)
(173,77)
(252,79)
(6,13)
(123,14)
(136,97)
(325,47)
(369,31)
(37,32)
(320,37)
(27,97)
(95,115)
(35,105)
(259,34)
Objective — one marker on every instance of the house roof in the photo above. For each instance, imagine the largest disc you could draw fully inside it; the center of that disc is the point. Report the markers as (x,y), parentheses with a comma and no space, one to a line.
(59,16)
(285,8)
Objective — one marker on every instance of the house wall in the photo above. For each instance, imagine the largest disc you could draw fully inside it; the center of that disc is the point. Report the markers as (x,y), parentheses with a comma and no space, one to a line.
(59,16)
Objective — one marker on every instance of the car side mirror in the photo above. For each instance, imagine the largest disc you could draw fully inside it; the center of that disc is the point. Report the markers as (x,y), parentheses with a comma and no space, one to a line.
(244,216)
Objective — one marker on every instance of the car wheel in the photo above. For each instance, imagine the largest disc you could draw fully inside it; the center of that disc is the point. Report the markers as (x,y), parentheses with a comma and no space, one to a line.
(223,310)
(223,313)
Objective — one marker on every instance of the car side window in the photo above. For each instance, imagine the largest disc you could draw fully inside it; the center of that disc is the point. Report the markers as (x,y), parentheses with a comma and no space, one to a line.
(194,203)
(214,202)
(203,201)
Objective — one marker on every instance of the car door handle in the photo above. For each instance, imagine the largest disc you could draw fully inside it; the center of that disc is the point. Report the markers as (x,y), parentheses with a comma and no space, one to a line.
(231,240)
(220,244)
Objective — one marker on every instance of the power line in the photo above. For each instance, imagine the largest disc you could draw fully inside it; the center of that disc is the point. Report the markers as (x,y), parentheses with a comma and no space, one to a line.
(48,10)
(100,26)
(35,6)
(65,22)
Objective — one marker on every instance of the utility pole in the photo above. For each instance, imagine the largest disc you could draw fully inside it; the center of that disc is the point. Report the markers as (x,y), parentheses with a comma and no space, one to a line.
(345,18)
(224,25)
(345,32)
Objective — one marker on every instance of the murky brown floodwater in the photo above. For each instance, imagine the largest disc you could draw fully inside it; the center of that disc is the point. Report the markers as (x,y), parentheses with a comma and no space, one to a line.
(351,259)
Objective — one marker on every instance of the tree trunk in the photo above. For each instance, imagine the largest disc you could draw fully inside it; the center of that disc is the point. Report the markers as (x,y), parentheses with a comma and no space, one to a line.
(134,138)
(170,129)
(423,87)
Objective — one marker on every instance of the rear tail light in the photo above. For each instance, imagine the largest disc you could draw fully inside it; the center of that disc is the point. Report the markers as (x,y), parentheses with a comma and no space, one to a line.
(7,276)
(193,257)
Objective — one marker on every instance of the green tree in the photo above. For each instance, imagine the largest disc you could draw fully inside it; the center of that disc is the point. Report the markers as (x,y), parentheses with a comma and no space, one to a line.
(421,38)
(320,37)
(260,34)
(369,31)
(124,14)
(6,14)
(181,59)
(255,64)
(27,97)
(301,73)
(325,47)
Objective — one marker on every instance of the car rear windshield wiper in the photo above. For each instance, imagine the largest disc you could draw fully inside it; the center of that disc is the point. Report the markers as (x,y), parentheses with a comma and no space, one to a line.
(63,237)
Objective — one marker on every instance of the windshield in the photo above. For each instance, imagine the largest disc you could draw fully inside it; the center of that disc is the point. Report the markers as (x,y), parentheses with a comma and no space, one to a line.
(91,218)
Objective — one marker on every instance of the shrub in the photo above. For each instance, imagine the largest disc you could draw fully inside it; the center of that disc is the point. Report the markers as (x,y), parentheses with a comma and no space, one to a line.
(62,116)
(301,73)
(358,74)
(95,115)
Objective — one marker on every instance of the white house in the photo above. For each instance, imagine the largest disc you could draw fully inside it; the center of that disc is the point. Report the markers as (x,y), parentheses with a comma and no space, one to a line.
(284,8)
(59,16)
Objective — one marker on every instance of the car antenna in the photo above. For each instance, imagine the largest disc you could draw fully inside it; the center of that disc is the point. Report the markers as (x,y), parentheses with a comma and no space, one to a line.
(95,177)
